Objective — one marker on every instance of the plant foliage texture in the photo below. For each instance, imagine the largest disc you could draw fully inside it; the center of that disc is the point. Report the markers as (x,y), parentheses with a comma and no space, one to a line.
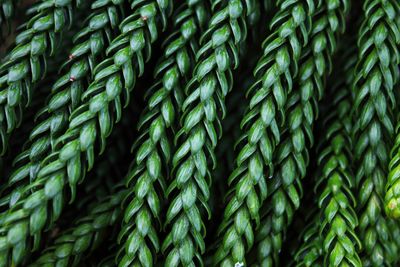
(375,98)
(292,152)
(26,64)
(262,133)
(331,239)
(146,179)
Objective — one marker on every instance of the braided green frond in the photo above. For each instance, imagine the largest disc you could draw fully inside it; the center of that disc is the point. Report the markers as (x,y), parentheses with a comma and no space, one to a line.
(42,89)
(26,64)
(274,73)
(27,123)
(109,168)
(106,173)
(335,182)
(291,158)
(91,122)
(77,72)
(338,219)
(394,227)
(310,252)
(392,196)
(121,145)
(376,78)
(100,211)
(225,151)
(202,110)
(138,237)
(87,233)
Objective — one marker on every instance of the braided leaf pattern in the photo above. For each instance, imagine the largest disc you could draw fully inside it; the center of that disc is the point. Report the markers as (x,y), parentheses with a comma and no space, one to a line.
(310,253)
(93,120)
(291,158)
(376,78)
(87,233)
(138,237)
(201,128)
(392,196)
(89,48)
(102,201)
(335,181)
(103,210)
(338,219)
(394,227)
(26,64)
(274,73)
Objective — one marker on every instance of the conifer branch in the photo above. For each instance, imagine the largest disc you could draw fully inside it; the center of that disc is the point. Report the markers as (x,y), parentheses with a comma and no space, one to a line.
(292,155)
(100,214)
(74,153)
(203,109)
(146,179)
(274,73)
(77,72)
(336,219)
(87,233)
(26,64)
(374,90)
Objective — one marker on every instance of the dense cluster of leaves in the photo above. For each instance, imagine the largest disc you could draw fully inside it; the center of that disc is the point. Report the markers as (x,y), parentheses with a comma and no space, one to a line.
(262,133)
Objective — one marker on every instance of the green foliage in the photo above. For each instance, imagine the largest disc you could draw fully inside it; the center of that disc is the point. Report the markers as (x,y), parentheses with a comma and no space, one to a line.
(26,64)
(274,73)
(92,119)
(376,77)
(202,111)
(85,235)
(331,239)
(89,231)
(77,72)
(292,153)
(310,252)
(153,149)
(201,188)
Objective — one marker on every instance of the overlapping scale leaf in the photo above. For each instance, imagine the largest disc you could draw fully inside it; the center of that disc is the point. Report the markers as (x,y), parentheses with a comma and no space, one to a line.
(274,73)
(99,212)
(202,110)
(86,234)
(26,64)
(152,151)
(376,79)
(336,220)
(52,120)
(292,154)
(92,121)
